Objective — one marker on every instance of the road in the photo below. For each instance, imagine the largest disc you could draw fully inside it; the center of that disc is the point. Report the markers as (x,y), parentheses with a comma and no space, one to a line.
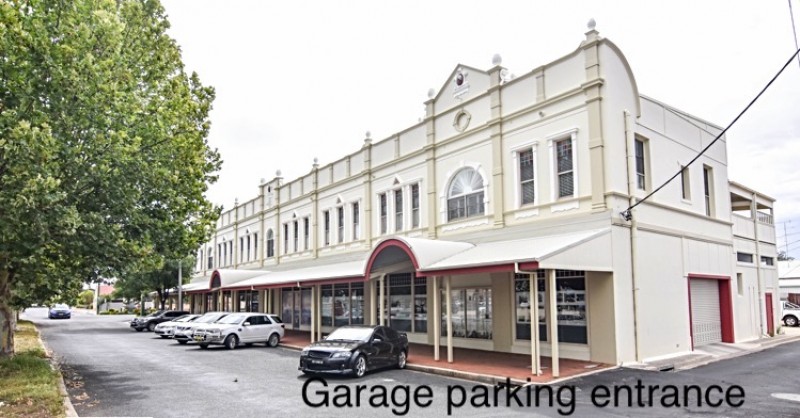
(111,370)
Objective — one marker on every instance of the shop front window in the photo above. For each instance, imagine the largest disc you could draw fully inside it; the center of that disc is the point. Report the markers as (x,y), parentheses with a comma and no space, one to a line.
(287,299)
(524,306)
(571,306)
(400,306)
(305,310)
(327,305)
(471,313)
(357,303)
(341,304)
(420,305)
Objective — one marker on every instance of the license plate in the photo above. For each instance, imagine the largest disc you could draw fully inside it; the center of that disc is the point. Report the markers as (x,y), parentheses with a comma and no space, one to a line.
(316,361)
(198,338)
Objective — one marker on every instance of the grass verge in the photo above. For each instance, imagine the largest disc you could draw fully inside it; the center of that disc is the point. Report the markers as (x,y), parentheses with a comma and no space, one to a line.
(29,386)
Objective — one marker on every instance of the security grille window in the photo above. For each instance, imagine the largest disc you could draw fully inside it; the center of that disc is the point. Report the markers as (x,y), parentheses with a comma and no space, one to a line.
(744,258)
(767,261)
(566,182)
(707,179)
(640,175)
(326,219)
(526,171)
(686,189)
(406,302)
(270,244)
(398,210)
(472,313)
(465,196)
(383,212)
(296,235)
(415,205)
(340,224)
(285,238)
(356,220)
(306,232)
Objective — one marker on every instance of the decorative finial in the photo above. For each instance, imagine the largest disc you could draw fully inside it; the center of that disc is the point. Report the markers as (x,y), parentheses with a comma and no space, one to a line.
(497,59)
(263,180)
(369,135)
(236,201)
(316,161)
(278,173)
(431,93)
(592,23)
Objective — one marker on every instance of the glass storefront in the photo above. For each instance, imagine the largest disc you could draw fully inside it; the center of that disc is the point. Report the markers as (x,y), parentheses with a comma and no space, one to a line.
(248,301)
(406,302)
(471,313)
(342,304)
(570,306)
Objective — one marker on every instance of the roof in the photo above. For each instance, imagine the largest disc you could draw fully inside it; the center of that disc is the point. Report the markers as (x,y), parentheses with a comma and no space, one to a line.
(789,269)
(323,272)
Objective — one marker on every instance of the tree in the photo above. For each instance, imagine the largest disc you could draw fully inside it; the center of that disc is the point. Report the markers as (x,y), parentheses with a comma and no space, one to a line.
(783,256)
(159,280)
(104,159)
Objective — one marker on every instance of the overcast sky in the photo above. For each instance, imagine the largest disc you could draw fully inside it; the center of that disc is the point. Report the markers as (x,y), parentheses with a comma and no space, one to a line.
(297,80)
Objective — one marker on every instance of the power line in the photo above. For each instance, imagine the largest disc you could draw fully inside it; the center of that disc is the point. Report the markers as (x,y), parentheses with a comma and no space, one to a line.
(794,30)
(627,212)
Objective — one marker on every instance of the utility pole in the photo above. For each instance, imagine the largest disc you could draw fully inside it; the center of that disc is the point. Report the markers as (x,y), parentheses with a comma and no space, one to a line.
(180,285)
(786,239)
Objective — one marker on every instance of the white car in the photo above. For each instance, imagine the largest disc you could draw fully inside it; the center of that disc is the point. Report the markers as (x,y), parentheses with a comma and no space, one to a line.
(183,332)
(167,329)
(241,328)
(790,314)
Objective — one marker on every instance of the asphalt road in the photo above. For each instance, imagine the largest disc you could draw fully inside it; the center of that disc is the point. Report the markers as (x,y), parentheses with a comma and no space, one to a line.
(111,370)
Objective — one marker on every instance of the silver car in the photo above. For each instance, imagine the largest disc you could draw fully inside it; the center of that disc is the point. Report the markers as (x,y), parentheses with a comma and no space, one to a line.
(183,332)
(167,329)
(241,328)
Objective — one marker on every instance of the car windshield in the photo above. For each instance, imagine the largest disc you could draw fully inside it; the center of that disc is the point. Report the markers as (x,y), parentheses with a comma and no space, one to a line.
(206,319)
(60,306)
(156,313)
(185,318)
(791,305)
(350,334)
(232,319)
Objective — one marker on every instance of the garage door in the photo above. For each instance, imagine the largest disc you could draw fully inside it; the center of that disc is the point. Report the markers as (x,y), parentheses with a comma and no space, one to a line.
(706,322)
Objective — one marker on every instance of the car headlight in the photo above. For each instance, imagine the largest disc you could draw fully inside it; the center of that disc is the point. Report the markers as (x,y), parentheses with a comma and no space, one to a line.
(213,333)
(341,354)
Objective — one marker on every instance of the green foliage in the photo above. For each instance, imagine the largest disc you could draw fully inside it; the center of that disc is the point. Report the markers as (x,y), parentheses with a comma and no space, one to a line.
(86,298)
(104,158)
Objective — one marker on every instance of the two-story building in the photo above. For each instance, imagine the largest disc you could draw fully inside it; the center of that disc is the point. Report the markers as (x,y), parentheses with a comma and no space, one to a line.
(501,219)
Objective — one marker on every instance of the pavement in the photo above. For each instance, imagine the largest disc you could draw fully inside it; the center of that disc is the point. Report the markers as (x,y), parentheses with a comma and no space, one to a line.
(714,352)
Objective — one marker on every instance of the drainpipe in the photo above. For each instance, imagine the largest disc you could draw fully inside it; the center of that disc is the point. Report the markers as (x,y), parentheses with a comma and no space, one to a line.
(634,227)
(759,278)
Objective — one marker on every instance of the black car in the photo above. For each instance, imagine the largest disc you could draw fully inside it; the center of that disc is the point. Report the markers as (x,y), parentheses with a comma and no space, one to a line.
(149,322)
(355,349)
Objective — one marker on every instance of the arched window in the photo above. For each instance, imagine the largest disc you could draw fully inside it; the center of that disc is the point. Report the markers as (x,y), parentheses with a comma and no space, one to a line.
(270,244)
(465,195)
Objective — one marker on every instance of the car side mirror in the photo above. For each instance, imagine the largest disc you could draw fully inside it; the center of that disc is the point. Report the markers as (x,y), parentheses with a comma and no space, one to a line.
(377,340)
(246,324)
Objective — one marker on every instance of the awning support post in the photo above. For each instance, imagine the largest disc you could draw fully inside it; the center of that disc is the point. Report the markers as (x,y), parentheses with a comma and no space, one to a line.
(552,305)
(437,318)
(449,305)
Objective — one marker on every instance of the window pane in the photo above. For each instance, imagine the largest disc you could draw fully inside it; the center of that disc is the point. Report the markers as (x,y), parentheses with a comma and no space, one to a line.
(526,165)
(479,313)
(340,224)
(571,306)
(286,300)
(357,303)
(415,205)
(565,186)
(398,210)
(420,305)
(383,212)
(306,311)
(400,306)
(528,192)
(341,304)
(564,157)
(327,305)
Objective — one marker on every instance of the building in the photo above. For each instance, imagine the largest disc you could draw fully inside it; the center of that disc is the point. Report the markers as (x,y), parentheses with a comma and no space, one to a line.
(511,196)
(789,276)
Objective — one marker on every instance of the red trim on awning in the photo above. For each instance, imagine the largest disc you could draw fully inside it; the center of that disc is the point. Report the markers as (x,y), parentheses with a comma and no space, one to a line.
(496,268)
(386,244)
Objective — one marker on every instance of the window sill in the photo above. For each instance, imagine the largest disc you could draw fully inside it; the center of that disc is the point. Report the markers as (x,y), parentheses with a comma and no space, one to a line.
(466,223)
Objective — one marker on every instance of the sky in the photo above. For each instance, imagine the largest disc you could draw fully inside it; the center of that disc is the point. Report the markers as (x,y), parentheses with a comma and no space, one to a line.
(298,80)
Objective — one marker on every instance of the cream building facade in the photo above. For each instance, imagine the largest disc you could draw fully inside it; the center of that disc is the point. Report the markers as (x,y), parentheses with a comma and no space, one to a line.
(510,197)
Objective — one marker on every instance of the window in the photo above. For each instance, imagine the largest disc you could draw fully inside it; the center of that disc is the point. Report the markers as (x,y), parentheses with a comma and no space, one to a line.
(255,246)
(248,301)
(398,210)
(210,254)
(306,232)
(340,224)
(406,302)
(708,184)
(415,205)
(342,304)
(472,313)
(356,226)
(465,195)
(686,189)
(383,212)
(296,236)
(224,254)
(326,217)
(286,238)
(248,248)
(744,258)
(639,154)
(230,253)
(524,306)
(241,249)
(564,169)
(570,305)
(526,177)
(740,283)
(767,261)
(270,244)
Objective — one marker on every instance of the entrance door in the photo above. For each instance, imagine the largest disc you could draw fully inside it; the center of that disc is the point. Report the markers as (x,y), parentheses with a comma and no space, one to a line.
(706,321)
(770,314)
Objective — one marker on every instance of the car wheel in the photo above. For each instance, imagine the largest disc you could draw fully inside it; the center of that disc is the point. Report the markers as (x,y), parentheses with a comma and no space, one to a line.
(203,346)
(151,327)
(182,342)
(360,368)
(790,321)
(138,329)
(401,360)
(231,342)
(273,341)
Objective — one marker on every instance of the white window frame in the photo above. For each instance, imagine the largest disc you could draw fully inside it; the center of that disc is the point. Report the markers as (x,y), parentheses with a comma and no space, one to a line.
(402,213)
(572,135)
(444,195)
(355,221)
(533,147)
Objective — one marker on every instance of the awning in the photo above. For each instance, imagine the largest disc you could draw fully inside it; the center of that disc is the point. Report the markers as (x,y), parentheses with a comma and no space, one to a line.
(221,279)
(319,274)
(584,250)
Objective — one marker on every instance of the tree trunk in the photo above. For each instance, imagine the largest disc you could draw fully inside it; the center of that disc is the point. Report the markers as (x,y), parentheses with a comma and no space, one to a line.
(7,322)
